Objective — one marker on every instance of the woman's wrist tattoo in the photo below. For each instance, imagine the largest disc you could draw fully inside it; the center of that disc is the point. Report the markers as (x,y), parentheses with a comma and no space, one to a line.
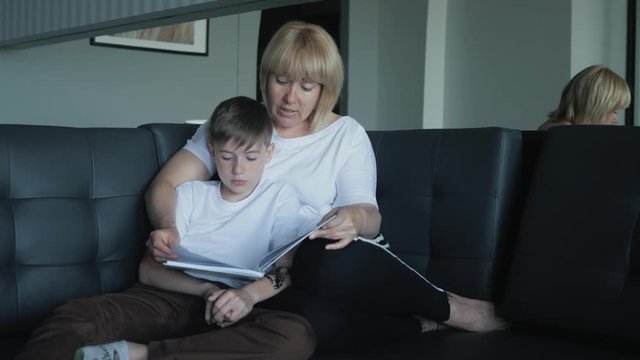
(278,276)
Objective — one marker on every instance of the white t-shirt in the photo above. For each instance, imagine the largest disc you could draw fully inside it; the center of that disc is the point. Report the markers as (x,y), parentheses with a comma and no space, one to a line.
(329,168)
(236,233)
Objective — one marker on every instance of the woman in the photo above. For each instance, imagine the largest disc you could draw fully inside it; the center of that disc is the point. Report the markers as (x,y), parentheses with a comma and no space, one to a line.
(592,97)
(329,160)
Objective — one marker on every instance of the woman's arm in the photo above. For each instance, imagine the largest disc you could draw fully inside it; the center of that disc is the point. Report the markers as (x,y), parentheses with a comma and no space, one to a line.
(351,221)
(155,274)
(355,204)
(161,200)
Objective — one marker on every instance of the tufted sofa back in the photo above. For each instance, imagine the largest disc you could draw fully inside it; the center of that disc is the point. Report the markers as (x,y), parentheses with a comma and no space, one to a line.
(73,222)
(576,266)
(448,201)
(72,217)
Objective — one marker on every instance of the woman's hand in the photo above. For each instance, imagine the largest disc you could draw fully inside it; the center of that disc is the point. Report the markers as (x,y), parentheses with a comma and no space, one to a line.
(160,242)
(225,307)
(350,221)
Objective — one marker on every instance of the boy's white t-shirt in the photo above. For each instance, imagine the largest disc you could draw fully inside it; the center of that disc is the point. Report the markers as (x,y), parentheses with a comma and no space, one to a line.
(333,167)
(237,233)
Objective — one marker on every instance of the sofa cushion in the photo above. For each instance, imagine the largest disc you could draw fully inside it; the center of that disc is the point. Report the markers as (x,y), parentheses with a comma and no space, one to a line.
(169,138)
(72,217)
(447,201)
(499,345)
(577,260)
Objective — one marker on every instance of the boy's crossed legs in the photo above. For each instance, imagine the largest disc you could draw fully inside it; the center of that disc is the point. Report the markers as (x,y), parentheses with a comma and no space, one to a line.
(146,315)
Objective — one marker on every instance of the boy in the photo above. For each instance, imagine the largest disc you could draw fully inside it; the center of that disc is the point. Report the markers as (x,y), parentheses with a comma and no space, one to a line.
(236,220)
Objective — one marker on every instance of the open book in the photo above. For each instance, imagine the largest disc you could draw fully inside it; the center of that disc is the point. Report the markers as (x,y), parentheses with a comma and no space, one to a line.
(188,260)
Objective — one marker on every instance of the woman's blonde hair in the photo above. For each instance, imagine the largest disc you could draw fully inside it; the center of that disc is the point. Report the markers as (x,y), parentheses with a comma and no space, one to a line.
(590,96)
(305,51)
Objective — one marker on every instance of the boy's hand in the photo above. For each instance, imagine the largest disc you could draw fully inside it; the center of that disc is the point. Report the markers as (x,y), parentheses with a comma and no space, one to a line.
(225,307)
(160,242)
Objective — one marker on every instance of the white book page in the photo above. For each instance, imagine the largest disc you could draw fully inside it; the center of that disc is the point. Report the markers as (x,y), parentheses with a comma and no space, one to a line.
(190,260)
(280,251)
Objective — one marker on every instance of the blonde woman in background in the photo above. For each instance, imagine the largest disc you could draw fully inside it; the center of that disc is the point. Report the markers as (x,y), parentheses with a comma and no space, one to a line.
(592,97)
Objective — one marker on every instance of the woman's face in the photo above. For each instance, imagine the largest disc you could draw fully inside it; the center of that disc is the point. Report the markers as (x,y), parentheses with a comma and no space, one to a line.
(291,102)
(611,118)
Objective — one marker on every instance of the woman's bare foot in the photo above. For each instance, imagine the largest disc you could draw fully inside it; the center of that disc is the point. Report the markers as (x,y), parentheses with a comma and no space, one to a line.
(473,315)
(427,325)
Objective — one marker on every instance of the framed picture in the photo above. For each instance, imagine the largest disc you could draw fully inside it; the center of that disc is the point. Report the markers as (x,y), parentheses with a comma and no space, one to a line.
(186,38)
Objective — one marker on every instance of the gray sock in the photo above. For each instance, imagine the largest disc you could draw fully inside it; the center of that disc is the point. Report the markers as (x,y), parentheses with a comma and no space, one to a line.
(118,350)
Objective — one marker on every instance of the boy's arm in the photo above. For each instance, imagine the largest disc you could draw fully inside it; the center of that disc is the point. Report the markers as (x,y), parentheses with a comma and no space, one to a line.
(225,307)
(160,200)
(273,282)
(155,274)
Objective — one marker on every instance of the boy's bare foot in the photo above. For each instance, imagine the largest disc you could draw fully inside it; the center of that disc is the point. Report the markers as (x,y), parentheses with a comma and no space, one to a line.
(473,315)
(138,351)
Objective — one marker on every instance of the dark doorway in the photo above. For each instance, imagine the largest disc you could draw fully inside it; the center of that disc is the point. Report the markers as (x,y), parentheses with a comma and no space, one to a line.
(629,115)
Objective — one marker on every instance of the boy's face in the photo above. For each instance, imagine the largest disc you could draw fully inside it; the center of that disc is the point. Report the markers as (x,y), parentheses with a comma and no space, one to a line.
(240,168)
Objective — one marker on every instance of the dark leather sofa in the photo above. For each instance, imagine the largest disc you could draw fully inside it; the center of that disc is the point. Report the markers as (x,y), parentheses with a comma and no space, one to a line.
(547,225)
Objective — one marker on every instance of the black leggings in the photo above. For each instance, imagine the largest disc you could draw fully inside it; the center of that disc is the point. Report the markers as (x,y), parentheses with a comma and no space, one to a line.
(359,295)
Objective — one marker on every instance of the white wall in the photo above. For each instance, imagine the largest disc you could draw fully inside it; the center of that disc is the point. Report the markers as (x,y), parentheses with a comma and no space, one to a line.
(76,84)
(598,35)
(435,65)
(488,63)
(401,56)
(362,69)
(502,59)
(386,63)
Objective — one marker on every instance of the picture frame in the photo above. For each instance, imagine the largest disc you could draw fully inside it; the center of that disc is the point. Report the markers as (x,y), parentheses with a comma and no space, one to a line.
(189,38)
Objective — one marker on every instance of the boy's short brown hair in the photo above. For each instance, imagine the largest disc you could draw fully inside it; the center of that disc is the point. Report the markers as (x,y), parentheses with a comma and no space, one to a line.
(241,119)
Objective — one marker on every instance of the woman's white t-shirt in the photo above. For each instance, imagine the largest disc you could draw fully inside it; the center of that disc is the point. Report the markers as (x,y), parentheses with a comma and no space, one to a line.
(236,233)
(333,167)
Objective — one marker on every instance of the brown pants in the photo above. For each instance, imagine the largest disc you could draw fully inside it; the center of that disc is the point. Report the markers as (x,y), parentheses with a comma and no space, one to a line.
(172,325)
